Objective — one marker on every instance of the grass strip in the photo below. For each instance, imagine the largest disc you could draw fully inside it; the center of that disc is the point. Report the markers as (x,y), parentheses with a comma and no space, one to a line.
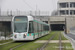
(57,36)
(47,36)
(29,46)
(52,46)
(55,46)
(8,46)
(4,41)
(67,46)
(63,38)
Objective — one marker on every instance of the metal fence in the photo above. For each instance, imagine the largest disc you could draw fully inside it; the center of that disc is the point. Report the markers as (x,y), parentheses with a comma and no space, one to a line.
(34,13)
(5,33)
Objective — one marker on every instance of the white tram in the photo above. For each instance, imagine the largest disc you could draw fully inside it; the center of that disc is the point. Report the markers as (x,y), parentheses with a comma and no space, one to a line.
(28,28)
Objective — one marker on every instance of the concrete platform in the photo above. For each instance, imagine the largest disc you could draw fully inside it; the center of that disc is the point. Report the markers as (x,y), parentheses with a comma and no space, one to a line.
(71,35)
(52,41)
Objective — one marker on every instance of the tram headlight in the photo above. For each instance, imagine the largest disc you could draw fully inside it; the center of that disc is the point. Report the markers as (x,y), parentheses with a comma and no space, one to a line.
(24,35)
(15,36)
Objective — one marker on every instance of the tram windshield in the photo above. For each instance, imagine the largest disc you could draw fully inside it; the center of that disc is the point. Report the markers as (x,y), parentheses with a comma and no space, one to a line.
(20,24)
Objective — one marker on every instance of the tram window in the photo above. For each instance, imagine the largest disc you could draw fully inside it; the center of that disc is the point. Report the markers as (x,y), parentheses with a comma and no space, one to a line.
(46,27)
(35,27)
(39,27)
(31,29)
(42,27)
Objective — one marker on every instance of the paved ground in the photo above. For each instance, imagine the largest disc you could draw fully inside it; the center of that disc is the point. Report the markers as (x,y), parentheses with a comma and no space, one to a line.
(52,41)
(71,35)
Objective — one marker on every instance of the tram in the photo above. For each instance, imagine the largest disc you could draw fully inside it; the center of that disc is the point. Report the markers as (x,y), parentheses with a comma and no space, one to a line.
(28,28)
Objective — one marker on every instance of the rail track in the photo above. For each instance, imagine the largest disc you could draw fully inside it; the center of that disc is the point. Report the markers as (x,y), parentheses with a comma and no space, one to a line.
(60,43)
(45,44)
(17,46)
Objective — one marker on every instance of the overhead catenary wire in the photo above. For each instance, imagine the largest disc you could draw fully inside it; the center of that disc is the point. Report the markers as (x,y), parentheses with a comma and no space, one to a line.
(30,6)
(27,4)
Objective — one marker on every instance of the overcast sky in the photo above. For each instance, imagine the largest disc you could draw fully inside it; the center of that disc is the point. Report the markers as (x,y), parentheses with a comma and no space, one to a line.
(27,5)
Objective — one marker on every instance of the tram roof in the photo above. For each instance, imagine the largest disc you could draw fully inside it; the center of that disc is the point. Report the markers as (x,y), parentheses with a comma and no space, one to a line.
(38,20)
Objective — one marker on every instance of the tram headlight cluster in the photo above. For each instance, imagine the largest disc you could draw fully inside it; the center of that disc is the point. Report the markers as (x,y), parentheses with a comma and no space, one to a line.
(24,35)
(15,36)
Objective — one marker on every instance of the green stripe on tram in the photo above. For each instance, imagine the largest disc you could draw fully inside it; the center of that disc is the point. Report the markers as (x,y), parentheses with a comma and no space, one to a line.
(32,34)
(40,22)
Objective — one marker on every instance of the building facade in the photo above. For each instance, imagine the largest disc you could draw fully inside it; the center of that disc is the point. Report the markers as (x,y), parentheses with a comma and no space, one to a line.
(66,7)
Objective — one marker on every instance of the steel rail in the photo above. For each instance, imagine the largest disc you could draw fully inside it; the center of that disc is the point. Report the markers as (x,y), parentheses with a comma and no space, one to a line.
(45,44)
(17,46)
(60,43)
